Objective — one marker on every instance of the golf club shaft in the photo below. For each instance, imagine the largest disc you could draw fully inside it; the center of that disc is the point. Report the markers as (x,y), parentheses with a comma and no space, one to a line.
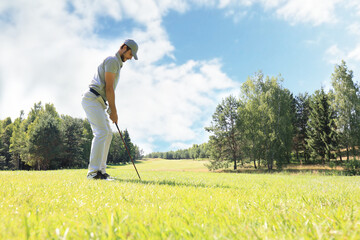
(127,150)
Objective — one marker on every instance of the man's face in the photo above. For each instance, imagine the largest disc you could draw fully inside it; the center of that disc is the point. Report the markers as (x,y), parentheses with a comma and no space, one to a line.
(126,55)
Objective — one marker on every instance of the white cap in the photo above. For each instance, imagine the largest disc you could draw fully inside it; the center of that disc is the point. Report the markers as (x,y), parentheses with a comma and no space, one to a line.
(133,46)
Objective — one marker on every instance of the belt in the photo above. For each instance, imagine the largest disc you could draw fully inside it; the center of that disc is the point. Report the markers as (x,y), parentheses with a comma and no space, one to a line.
(97,94)
(94,92)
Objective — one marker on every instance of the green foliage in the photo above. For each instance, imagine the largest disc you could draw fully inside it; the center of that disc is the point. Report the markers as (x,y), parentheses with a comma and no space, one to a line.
(6,132)
(322,138)
(17,143)
(138,152)
(45,141)
(217,159)
(130,146)
(346,104)
(277,129)
(224,129)
(272,122)
(352,167)
(266,116)
(87,136)
(302,112)
(117,151)
(195,152)
(72,142)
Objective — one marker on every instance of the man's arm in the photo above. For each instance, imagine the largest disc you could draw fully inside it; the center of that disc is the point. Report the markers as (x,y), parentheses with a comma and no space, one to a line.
(110,95)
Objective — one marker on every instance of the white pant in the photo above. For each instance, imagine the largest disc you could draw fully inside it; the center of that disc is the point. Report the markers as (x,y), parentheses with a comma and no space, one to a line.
(100,125)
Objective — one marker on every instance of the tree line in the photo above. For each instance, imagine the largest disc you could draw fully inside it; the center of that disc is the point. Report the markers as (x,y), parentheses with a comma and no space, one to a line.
(45,140)
(268,126)
(195,152)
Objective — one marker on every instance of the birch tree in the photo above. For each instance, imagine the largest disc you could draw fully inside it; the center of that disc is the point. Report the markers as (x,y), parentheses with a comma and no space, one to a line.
(346,105)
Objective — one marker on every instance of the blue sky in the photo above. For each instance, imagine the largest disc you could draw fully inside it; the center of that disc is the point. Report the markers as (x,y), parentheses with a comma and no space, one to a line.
(258,42)
(191,55)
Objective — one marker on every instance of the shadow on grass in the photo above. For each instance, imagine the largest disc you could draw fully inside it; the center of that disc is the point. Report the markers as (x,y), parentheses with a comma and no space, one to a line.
(288,171)
(171,183)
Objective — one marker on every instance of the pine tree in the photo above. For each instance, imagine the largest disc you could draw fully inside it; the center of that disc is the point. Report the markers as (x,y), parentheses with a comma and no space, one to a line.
(129,145)
(87,136)
(5,136)
(225,131)
(72,151)
(117,150)
(322,138)
(17,142)
(302,116)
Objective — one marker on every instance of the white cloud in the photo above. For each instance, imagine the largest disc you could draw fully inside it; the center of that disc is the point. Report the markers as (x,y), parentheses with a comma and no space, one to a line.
(270,4)
(354,28)
(334,55)
(154,43)
(355,53)
(326,85)
(354,5)
(39,45)
(303,11)
(50,51)
(179,145)
(295,11)
(169,100)
(237,16)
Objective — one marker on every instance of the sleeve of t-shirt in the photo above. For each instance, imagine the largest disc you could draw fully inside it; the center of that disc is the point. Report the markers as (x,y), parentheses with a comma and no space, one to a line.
(111,65)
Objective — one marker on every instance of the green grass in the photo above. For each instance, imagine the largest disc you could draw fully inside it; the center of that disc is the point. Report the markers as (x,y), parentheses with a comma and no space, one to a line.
(173,202)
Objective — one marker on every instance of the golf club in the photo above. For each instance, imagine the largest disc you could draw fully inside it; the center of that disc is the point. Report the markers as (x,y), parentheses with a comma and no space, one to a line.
(127,150)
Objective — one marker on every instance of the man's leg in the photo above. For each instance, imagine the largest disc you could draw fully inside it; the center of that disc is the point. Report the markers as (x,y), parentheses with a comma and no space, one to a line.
(106,150)
(100,126)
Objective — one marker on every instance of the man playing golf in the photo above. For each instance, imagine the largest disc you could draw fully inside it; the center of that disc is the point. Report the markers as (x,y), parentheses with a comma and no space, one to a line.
(99,97)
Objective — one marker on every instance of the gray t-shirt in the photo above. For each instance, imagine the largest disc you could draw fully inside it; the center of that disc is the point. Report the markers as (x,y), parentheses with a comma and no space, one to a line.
(111,64)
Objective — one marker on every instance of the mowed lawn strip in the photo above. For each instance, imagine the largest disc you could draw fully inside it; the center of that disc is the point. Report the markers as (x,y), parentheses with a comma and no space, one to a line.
(177,205)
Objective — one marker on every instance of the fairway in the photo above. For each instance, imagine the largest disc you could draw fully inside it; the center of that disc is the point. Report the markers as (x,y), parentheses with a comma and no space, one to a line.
(177,200)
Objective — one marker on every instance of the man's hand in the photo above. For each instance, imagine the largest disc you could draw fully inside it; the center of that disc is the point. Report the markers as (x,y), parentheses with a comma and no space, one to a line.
(114,116)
